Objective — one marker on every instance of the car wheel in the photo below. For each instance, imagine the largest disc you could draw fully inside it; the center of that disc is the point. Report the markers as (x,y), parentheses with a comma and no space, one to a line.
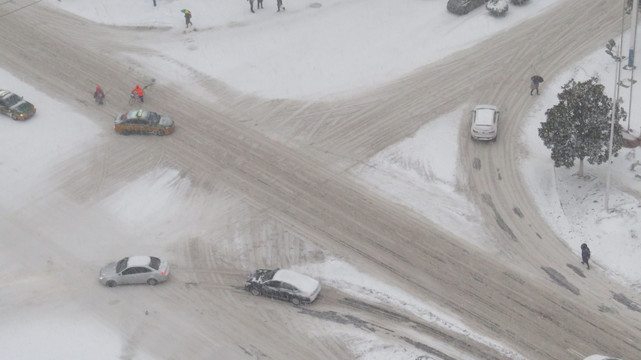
(255,291)
(152,282)
(295,301)
(111,283)
(160,132)
(125,132)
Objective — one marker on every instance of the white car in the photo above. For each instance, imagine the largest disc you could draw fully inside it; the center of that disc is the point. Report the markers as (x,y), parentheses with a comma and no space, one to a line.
(485,122)
(135,270)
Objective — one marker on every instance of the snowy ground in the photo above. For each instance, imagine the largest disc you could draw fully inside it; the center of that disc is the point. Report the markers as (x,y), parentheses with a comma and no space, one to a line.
(293,55)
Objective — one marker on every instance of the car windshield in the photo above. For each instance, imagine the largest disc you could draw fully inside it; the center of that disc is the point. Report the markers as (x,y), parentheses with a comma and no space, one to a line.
(154,118)
(11,100)
(121,265)
(268,275)
(155,262)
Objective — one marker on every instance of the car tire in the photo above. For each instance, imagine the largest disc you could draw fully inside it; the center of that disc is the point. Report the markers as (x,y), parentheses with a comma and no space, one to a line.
(295,301)
(124,132)
(160,132)
(152,282)
(254,290)
(111,283)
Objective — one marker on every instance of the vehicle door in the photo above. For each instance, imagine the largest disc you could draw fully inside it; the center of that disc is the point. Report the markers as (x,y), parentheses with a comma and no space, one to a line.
(272,289)
(135,275)
(288,290)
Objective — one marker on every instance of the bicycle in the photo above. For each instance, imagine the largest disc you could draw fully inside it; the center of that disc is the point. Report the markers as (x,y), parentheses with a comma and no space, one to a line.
(134,98)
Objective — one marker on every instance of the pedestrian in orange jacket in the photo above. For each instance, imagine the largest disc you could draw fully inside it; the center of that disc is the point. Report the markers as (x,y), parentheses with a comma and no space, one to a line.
(138,91)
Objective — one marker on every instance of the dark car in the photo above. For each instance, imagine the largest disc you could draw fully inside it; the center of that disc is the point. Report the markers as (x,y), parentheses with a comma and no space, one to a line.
(462,7)
(283,285)
(143,122)
(15,106)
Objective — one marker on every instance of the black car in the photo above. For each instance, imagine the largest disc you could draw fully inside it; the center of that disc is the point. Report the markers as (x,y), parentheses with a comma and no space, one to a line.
(462,7)
(15,106)
(283,285)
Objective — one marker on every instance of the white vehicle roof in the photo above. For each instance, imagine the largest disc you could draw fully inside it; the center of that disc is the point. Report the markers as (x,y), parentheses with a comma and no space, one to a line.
(138,260)
(485,114)
(302,282)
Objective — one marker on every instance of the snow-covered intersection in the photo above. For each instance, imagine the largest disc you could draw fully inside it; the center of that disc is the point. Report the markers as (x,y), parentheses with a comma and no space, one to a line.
(425,249)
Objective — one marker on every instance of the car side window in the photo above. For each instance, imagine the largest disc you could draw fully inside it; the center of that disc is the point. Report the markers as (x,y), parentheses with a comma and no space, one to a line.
(135,270)
(273,283)
(287,286)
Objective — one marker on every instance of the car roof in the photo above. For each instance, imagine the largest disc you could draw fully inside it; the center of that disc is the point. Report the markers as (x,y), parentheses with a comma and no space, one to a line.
(138,260)
(302,282)
(485,114)
(4,93)
(138,114)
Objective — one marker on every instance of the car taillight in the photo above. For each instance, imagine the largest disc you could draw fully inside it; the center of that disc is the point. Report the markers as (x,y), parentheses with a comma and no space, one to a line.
(164,272)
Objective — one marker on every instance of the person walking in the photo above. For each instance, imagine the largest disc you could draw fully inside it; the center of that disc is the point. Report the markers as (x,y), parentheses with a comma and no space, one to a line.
(99,95)
(259,5)
(279,4)
(138,91)
(534,85)
(585,255)
(188,19)
(251,5)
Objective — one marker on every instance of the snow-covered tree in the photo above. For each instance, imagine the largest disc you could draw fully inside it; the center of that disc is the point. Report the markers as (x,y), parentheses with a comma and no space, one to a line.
(578,127)
(497,7)
(519,2)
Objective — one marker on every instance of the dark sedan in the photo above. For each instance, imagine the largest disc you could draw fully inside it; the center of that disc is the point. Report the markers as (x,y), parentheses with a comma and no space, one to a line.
(15,106)
(283,285)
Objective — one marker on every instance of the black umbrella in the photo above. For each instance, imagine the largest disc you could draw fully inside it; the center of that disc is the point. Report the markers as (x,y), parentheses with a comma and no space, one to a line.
(537,79)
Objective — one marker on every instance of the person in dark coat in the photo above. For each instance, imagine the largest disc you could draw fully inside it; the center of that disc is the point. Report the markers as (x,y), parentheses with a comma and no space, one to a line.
(251,5)
(279,4)
(259,5)
(585,255)
(534,85)
(188,19)
(99,95)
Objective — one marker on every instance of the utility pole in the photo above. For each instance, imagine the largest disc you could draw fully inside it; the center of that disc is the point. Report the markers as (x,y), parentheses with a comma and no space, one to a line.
(633,42)
(615,101)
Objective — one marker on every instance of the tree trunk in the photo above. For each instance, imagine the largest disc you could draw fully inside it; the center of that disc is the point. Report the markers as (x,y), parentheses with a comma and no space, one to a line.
(580,167)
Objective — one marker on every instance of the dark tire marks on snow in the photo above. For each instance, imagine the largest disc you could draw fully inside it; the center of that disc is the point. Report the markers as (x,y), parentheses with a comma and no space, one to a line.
(560,279)
(499,220)
(460,342)
(626,301)
(476,164)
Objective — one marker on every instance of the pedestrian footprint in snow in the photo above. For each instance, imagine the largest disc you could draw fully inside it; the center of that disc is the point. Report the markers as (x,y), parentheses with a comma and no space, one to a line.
(585,255)
(251,5)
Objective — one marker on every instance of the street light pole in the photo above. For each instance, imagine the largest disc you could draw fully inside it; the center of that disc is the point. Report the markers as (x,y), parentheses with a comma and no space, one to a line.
(615,102)
(633,42)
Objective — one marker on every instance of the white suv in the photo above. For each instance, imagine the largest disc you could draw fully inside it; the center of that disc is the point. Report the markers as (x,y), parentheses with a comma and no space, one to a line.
(485,122)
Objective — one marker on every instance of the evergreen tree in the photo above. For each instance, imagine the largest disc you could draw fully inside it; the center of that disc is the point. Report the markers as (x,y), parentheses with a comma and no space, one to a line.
(578,127)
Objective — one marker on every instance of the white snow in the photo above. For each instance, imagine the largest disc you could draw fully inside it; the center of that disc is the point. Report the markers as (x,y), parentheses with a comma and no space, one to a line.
(314,49)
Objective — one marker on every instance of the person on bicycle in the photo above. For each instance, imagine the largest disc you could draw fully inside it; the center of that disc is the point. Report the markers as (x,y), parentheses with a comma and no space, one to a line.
(138,91)
(99,95)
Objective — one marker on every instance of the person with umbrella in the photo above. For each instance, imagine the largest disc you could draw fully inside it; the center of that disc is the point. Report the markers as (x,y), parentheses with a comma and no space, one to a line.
(187,18)
(536,80)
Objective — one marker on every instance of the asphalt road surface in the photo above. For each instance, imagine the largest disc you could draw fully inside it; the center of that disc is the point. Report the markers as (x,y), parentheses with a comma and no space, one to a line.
(283,166)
